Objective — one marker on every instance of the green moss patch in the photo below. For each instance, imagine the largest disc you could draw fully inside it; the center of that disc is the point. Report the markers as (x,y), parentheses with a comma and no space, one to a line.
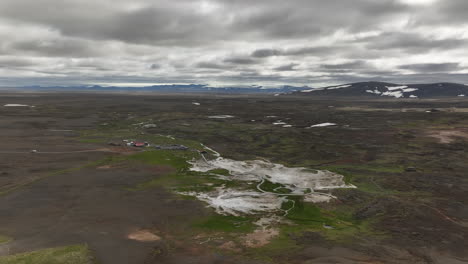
(4,239)
(77,254)
(222,223)
(165,157)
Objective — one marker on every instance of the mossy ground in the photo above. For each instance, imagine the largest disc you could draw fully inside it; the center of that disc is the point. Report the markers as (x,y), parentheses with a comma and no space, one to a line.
(306,217)
(77,254)
(372,153)
(222,223)
(4,239)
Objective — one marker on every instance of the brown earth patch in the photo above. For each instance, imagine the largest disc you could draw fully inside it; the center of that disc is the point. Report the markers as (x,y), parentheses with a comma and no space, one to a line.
(123,150)
(229,246)
(260,237)
(143,236)
(161,169)
(448,136)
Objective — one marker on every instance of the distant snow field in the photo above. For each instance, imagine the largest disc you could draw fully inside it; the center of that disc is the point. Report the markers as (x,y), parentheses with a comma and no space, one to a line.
(393,88)
(339,87)
(279,122)
(16,105)
(396,94)
(310,90)
(323,125)
(327,88)
(221,116)
(394,91)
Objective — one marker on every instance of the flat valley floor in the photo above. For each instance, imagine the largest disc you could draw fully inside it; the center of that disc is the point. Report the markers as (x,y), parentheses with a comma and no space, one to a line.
(64,187)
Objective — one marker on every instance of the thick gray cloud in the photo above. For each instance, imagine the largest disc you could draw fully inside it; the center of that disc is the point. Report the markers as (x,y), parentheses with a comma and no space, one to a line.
(15,62)
(302,42)
(432,67)
(354,65)
(240,60)
(263,53)
(316,50)
(213,65)
(55,48)
(287,67)
(413,42)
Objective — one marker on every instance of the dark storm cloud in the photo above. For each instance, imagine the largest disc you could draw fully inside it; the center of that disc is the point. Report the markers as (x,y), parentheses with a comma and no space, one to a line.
(432,67)
(249,38)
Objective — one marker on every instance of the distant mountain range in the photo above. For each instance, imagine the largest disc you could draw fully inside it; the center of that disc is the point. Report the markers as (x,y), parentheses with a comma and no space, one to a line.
(360,89)
(174,88)
(381,89)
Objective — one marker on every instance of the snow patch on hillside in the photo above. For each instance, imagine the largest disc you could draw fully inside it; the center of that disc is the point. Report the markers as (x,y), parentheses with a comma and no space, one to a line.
(323,125)
(279,122)
(394,91)
(16,105)
(393,88)
(396,94)
(339,87)
(326,88)
(221,116)
(374,91)
(409,90)
(312,90)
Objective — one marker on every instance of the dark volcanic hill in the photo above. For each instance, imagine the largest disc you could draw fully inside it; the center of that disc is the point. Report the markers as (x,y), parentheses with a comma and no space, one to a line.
(381,89)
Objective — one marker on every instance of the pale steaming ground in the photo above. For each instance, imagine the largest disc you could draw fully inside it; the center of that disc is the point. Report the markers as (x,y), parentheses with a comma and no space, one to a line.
(236,202)
(298,180)
(311,184)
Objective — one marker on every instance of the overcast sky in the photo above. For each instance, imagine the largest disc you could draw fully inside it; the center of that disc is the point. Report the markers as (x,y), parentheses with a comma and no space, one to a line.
(232,42)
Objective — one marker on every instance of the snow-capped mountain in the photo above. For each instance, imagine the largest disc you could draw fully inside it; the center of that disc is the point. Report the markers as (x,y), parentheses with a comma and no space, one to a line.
(381,89)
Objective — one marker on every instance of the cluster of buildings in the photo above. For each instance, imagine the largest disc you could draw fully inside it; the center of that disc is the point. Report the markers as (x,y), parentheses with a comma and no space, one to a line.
(145,144)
